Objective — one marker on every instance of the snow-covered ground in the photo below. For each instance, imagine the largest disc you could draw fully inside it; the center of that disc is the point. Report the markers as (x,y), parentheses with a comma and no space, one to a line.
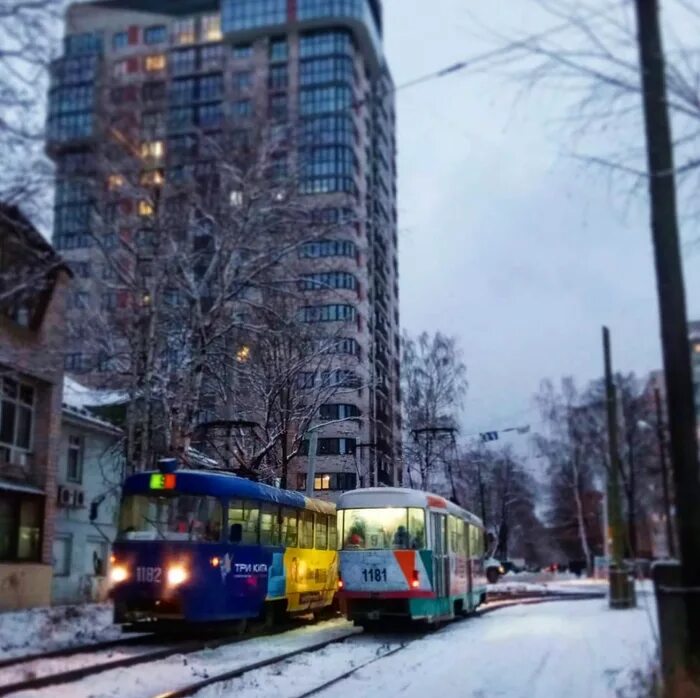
(551,584)
(155,678)
(45,629)
(576,649)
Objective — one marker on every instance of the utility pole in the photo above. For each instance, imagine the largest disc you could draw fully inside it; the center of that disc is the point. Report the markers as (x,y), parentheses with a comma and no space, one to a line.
(674,326)
(621,589)
(664,474)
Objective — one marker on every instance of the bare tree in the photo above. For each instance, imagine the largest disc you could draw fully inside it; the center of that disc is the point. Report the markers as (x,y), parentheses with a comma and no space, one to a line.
(434,387)
(589,58)
(570,449)
(29,31)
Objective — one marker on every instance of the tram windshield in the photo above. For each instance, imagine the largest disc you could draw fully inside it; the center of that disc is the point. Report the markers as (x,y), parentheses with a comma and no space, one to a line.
(382,529)
(170,517)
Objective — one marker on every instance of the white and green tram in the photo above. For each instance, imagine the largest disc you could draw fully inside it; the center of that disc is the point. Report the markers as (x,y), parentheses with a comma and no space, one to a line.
(407,553)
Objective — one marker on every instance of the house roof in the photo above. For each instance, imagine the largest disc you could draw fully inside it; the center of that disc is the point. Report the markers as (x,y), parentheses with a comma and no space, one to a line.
(12,217)
(77,398)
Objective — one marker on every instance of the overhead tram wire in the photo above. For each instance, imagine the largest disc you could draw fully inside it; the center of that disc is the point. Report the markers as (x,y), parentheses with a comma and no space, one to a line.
(478,58)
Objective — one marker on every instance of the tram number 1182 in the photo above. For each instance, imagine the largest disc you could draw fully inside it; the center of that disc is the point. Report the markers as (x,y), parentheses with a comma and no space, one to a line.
(374,574)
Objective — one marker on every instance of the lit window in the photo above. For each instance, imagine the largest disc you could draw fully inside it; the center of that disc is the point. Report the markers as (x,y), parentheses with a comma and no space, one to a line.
(236,198)
(145,209)
(696,348)
(155,62)
(152,178)
(152,149)
(211,28)
(115,181)
(183,31)
(243,354)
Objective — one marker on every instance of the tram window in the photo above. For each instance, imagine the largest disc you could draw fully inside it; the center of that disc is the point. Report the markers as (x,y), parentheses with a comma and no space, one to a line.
(246,514)
(289,528)
(321,541)
(416,528)
(269,525)
(332,533)
(306,526)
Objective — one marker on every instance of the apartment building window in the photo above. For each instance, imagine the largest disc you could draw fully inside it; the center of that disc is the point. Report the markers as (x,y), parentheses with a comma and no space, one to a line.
(334,482)
(327,160)
(210,57)
(319,100)
(336,312)
(340,378)
(210,87)
(243,108)
(327,185)
(328,248)
(279,107)
(120,41)
(342,345)
(71,241)
(155,62)
(153,91)
(20,527)
(278,50)
(326,69)
(328,280)
(183,61)
(156,34)
(183,31)
(248,14)
(325,43)
(69,127)
(278,77)
(211,28)
(145,209)
(210,115)
(336,447)
(330,129)
(182,90)
(331,412)
(152,149)
(74,460)
(16,421)
(152,124)
(243,51)
(243,80)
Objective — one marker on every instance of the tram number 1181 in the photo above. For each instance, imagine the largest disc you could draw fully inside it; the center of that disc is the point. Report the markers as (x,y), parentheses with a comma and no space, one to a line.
(374,574)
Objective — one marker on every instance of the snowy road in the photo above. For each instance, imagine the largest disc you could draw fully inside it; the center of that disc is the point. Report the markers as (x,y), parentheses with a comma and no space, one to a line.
(577,649)
(574,649)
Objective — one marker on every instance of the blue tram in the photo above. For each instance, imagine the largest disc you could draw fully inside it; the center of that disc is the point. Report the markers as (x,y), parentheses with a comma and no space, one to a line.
(203,547)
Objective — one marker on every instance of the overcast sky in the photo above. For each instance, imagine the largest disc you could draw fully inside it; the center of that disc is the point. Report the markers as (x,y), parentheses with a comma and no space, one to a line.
(505,241)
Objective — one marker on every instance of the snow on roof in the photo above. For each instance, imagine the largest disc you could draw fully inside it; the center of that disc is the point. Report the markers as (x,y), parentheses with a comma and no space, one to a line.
(78,395)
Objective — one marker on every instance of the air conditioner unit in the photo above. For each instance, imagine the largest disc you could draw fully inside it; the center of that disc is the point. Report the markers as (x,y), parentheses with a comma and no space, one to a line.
(65,496)
(79,498)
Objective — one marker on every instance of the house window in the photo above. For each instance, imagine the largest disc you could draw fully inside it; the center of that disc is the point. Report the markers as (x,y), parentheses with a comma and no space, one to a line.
(95,559)
(115,181)
(74,463)
(62,546)
(20,526)
(211,28)
(16,421)
(155,62)
(183,31)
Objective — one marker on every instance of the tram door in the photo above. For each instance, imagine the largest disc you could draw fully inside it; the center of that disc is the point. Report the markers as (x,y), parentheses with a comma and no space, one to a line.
(441,558)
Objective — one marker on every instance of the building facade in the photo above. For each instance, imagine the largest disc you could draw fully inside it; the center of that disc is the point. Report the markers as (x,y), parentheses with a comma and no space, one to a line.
(34,281)
(89,476)
(168,77)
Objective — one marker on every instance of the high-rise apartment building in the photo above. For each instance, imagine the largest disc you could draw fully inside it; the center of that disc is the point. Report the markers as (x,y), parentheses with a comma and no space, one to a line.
(171,73)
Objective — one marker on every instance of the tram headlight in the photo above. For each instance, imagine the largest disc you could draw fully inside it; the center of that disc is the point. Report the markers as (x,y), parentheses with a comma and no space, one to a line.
(177,575)
(118,574)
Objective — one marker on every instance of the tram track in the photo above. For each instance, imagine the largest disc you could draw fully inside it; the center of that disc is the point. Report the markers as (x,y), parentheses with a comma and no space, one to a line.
(173,648)
(190,647)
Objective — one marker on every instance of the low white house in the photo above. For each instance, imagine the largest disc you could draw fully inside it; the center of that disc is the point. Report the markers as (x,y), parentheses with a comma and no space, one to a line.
(90,472)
